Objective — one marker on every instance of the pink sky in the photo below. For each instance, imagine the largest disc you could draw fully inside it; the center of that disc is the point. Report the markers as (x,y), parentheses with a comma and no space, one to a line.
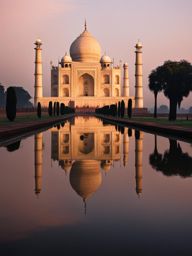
(162,26)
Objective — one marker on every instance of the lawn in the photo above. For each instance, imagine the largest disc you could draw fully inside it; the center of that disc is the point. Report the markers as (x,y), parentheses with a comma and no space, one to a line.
(23,118)
(163,120)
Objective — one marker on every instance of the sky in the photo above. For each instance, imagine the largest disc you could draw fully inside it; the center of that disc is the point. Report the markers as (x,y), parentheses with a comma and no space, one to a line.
(163,27)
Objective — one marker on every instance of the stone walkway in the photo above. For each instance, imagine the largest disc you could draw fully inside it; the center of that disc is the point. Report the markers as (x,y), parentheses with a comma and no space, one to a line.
(23,127)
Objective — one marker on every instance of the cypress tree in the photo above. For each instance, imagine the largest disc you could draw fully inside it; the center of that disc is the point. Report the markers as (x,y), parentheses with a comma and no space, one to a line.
(62,109)
(11,104)
(129,109)
(39,109)
(119,109)
(137,134)
(122,129)
(57,108)
(130,132)
(14,146)
(122,108)
(50,108)
(54,108)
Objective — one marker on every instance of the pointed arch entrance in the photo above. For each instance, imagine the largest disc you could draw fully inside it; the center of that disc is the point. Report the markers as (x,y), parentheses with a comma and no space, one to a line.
(86,85)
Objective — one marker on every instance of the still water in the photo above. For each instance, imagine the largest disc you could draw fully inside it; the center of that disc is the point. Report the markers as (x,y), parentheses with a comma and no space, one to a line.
(91,189)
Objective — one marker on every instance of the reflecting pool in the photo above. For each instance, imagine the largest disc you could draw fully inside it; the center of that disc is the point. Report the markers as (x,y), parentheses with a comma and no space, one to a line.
(88,188)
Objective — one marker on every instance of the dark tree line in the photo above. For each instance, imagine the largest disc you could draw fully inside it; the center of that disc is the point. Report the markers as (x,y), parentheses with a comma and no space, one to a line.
(174,78)
(23,97)
(55,109)
(116,109)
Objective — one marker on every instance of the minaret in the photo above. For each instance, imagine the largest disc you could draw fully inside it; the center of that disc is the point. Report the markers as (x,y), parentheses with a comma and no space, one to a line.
(38,72)
(125,147)
(125,80)
(138,77)
(138,160)
(38,162)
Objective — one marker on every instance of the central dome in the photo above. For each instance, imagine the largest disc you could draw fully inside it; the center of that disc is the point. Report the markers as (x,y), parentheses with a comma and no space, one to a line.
(85,48)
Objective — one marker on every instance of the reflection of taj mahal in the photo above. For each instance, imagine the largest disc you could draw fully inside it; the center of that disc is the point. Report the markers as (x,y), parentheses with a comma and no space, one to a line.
(84,78)
(83,149)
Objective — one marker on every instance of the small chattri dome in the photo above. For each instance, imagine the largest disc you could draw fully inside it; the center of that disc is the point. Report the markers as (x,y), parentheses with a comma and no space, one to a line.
(138,45)
(106,165)
(38,41)
(66,165)
(66,58)
(105,59)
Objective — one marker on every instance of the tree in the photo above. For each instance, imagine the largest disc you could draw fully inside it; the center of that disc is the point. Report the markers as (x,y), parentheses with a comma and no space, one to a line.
(173,161)
(155,158)
(163,109)
(190,110)
(62,109)
(119,109)
(11,104)
(122,108)
(54,108)
(39,109)
(176,81)
(57,108)
(2,96)
(50,108)
(137,134)
(113,109)
(129,109)
(14,146)
(155,85)
(23,97)
(129,132)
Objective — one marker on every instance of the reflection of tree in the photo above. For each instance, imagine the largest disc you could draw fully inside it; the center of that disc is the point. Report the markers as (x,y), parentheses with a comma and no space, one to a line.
(173,161)
(155,158)
(14,146)
(130,132)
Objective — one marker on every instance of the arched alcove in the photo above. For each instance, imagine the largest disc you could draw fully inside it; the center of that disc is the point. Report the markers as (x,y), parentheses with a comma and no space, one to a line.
(106,92)
(65,92)
(116,92)
(86,143)
(86,85)
(116,79)
(106,79)
(65,79)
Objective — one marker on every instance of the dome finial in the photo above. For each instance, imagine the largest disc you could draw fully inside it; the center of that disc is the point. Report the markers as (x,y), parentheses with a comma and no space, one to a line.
(85,24)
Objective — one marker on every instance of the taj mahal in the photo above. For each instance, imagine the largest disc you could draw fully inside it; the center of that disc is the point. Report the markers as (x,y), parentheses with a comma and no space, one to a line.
(85,78)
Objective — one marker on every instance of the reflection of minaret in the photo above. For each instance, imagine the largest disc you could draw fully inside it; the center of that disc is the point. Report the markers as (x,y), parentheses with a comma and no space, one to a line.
(125,147)
(38,162)
(138,160)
